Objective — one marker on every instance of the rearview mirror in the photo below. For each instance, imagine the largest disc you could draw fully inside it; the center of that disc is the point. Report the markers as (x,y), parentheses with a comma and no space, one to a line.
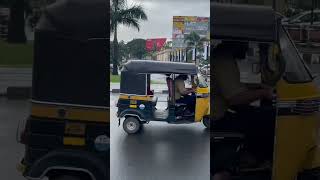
(256,68)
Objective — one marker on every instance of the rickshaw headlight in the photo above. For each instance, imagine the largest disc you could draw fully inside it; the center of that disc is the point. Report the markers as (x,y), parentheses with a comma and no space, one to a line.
(142,106)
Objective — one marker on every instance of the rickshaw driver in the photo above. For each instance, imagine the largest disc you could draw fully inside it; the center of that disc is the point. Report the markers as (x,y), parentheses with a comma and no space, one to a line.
(182,93)
(230,92)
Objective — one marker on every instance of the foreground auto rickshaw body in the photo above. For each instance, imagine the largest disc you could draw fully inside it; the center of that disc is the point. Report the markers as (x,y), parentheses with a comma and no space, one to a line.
(66,136)
(137,103)
(296,104)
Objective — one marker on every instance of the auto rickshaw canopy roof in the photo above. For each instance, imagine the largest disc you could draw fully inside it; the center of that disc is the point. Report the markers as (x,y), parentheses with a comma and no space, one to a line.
(71,54)
(159,67)
(80,19)
(244,22)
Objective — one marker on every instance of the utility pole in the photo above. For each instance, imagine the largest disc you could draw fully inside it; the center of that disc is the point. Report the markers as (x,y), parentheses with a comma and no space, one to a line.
(274,6)
(312,12)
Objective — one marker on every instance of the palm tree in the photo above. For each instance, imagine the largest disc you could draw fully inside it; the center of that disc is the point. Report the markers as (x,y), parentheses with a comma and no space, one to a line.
(196,42)
(128,16)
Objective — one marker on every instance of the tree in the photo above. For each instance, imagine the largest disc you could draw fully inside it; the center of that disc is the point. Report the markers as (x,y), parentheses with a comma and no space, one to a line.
(168,45)
(137,48)
(194,41)
(123,51)
(128,16)
(16,32)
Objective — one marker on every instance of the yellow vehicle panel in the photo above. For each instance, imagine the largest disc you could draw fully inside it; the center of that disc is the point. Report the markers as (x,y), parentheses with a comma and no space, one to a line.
(295,137)
(202,104)
(71,113)
(296,133)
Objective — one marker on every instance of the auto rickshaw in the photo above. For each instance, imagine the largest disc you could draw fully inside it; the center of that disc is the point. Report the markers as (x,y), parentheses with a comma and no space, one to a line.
(137,102)
(296,152)
(66,136)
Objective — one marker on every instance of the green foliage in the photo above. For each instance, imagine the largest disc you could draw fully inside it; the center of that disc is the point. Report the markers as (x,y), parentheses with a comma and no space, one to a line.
(114,78)
(127,16)
(16,55)
(195,41)
(123,51)
(137,48)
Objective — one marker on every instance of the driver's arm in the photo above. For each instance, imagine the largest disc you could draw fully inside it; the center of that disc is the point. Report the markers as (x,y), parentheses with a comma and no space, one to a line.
(181,88)
(227,75)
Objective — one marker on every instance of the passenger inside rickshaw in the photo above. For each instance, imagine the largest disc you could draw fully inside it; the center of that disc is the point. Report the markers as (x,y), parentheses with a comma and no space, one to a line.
(182,93)
(241,106)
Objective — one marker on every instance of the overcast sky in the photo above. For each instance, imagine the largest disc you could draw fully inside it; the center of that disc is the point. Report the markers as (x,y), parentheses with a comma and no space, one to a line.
(160,13)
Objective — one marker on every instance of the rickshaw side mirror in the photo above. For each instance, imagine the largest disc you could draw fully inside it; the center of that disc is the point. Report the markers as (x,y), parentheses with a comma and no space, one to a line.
(256,68)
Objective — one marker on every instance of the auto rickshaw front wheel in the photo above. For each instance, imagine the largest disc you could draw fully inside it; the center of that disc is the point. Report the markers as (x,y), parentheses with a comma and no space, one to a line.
(67,177)
(131,125)
(206,122)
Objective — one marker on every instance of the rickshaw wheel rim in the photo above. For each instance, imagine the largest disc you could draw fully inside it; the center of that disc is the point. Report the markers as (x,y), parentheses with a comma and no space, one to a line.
(131,126)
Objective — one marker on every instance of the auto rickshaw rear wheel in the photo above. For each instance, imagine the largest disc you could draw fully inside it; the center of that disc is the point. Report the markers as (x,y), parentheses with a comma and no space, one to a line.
(131,125)
(206,122)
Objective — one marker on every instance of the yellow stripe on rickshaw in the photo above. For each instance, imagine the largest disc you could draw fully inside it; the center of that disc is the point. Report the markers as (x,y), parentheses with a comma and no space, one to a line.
(203,90)
(140,98)
(74,141)
(71,113)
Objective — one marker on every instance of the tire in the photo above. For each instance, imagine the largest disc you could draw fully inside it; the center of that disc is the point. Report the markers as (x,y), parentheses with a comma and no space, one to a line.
(131,125)
(65,177)
(206,122)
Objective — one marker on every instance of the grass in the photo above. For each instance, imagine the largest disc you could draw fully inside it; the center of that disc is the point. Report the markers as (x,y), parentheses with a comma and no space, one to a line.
(116,79)
(16,55)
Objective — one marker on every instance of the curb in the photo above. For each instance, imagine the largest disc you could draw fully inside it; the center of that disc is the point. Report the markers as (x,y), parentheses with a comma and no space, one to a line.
(117,91)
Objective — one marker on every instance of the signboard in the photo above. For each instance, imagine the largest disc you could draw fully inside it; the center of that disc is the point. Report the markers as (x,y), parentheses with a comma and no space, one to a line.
(155,44)
(184,25)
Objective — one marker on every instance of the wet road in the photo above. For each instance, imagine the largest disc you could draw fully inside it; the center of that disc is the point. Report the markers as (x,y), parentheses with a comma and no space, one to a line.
(14,77)
(160,151)
(11,111)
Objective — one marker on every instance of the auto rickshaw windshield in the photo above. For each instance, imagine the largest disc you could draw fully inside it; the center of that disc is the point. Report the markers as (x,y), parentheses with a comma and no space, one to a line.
(201,81)
(296,71)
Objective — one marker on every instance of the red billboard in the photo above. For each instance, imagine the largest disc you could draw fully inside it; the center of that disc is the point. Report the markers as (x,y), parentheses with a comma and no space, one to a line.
(157,43)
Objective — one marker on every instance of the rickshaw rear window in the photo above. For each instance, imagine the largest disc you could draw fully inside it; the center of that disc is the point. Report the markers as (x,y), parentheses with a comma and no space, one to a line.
(296,71)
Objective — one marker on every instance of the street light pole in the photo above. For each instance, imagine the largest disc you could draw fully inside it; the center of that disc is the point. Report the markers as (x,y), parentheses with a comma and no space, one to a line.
(274,6)
(312,12)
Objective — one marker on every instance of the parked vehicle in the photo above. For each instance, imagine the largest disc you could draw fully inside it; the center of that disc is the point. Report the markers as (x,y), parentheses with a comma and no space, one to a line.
(303,18)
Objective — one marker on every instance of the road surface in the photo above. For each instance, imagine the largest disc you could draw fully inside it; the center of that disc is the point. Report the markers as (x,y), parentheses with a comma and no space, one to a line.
(11,111)
(160,151)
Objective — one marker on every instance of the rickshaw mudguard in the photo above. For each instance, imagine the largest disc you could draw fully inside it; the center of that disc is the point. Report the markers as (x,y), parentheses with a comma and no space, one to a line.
(134,113)
(73,160)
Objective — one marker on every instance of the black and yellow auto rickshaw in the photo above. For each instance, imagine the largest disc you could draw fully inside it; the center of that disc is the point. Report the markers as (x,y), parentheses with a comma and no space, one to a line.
(137,102)
(66,136)
(295,106)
